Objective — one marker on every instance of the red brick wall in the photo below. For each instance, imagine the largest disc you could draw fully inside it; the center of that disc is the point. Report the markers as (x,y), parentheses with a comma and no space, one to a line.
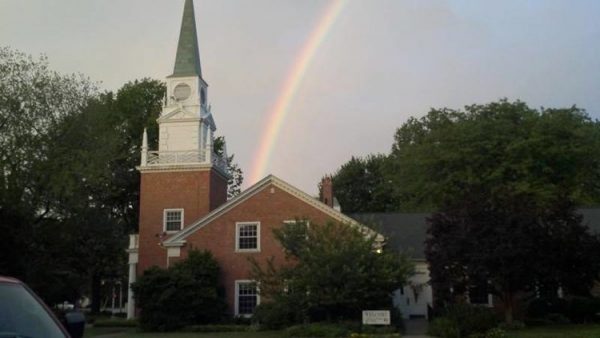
(197,192)
(218,190)
(270,209)
(327,191)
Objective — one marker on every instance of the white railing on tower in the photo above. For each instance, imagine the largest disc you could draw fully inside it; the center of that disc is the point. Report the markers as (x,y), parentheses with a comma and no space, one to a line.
(161,158)
(175,157)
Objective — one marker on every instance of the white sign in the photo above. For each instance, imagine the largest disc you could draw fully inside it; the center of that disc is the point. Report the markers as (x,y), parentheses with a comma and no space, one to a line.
(376,317)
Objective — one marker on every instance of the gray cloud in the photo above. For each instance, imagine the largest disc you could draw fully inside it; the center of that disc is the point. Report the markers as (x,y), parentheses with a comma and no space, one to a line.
(382,62)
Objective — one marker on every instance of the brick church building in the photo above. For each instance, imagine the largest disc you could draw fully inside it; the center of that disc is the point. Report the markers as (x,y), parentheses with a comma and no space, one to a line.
(183,192)
(183,201)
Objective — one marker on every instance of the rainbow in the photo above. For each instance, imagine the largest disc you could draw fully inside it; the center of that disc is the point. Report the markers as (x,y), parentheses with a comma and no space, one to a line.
(290,87)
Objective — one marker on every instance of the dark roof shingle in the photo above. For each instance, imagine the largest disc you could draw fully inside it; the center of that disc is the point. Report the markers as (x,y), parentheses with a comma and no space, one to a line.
(407,232)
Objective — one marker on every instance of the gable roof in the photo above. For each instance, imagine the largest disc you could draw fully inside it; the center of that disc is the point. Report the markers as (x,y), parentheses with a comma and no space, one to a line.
(179,238)
(591,218)
(403,232)
(407,232)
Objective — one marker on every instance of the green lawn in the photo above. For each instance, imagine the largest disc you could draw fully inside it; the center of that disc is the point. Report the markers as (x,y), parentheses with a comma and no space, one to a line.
(133,333)
(559,331)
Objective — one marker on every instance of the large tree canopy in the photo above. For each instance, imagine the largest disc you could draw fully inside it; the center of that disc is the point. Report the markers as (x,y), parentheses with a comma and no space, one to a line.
(68,184)
(505,180)
(92,179)
(361,185)
(34,101)
(504,149)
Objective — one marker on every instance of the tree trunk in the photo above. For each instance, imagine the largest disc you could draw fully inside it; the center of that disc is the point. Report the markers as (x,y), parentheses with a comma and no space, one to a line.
(508,307)
(95,292)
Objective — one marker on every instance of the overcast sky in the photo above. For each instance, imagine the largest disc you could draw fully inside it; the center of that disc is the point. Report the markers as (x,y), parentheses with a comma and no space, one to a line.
(382,62)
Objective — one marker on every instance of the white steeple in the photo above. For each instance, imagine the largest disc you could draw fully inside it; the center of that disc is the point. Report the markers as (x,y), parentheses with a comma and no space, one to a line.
(186,125)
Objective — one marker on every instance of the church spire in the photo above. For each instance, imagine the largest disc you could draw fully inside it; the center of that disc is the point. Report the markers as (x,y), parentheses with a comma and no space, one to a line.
(187,60)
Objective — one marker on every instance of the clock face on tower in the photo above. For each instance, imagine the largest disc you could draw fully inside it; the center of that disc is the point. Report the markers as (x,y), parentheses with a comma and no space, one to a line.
(182,91)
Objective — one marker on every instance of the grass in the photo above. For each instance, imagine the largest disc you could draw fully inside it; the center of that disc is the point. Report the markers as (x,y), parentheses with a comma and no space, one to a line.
(133,333)
(555,331)
(558,331)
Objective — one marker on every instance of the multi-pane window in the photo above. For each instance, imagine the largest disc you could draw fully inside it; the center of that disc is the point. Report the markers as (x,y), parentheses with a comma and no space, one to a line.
(479,293)
(297,232)
(173,219)
(247,297)
(248,236)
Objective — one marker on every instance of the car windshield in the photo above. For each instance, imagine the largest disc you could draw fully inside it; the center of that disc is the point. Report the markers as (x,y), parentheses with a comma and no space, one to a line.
(22,315)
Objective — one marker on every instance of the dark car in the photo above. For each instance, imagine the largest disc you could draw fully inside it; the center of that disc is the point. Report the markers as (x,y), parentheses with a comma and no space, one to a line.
(24,315)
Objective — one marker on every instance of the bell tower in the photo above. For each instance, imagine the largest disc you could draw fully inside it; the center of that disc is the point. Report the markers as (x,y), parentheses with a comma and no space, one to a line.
(186,177)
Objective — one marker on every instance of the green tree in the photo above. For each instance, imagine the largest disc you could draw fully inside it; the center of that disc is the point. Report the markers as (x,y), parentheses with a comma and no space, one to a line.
(362,185)
(34,100)
(68,187)
(234,183)
(505,148)
(185,294)
(505,180)
(92,181)
(333,271)
(136,106)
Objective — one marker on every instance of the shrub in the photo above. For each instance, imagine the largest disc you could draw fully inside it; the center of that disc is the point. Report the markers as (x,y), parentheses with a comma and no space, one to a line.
(108,322)
(378,330)
(333,272)
(359,335)
(444,328)
(496,333)
(556,318)
(542,307)
(216,328)
(576,309)
(471,319)
(377,335)
(492,333)
(583,309)
(187,293)
(515,325)
(273,315)
(396,317)
(318,330)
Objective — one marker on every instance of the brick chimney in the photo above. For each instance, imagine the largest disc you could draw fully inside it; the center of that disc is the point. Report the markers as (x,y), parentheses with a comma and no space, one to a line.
(326,191)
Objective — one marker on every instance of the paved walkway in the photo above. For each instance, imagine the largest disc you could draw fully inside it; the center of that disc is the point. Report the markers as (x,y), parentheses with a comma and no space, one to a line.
(416,328)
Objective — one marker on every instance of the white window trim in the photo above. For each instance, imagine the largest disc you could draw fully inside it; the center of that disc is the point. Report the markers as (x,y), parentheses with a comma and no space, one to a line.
(237,295)
(295,221)
(490,300)
(237,236)
(165,221)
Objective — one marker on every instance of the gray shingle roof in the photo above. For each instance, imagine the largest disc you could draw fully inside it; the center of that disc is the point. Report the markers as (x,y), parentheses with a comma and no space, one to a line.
(406,232)
(591,218)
